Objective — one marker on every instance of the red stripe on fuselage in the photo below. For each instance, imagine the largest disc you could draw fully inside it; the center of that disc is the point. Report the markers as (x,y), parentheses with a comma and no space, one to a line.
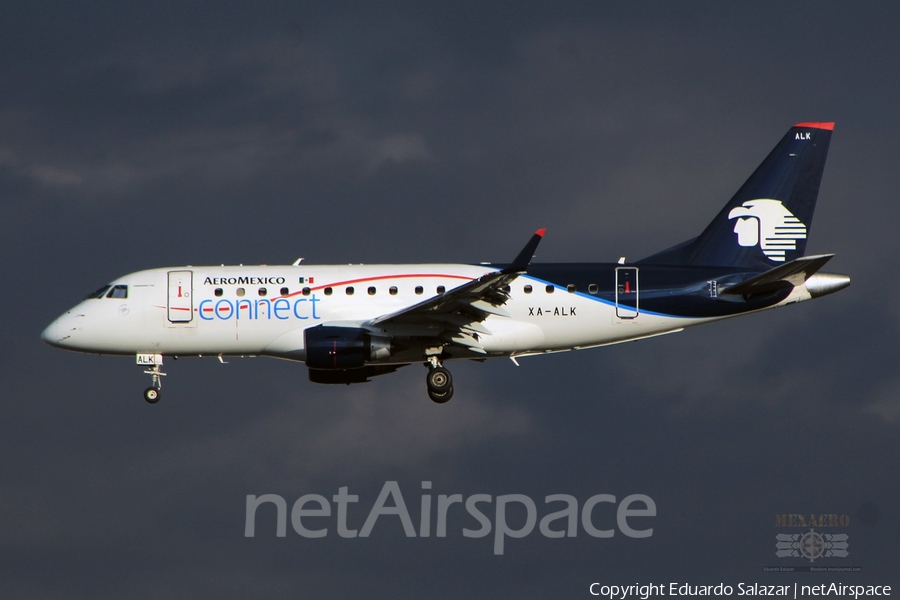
(352,281)
(379,278)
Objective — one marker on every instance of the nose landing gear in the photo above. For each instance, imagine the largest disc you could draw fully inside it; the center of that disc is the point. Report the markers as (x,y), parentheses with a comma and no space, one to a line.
(154,361)
(439,381)
(152,393)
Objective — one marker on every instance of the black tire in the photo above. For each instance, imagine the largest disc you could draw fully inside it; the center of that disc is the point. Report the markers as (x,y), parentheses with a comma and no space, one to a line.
(441,397)
(439,380)
(151,395)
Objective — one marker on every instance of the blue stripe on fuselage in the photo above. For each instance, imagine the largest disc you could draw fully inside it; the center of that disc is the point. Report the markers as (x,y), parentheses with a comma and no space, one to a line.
(666,291)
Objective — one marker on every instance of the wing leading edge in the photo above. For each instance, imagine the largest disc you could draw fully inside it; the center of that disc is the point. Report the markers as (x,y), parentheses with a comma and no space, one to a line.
(462,309)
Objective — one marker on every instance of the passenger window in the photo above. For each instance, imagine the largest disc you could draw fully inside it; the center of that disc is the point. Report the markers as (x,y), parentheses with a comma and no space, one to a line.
(350,290)
(549,289)
(118,291)
(306,291)
(328,291)
(592,288)
(99,293)
(285,291)
(241,292)
(441,289)
(527,289)
(218,292)
(419,290)
(371,290)
(392,290)
(570,288)
(263,291)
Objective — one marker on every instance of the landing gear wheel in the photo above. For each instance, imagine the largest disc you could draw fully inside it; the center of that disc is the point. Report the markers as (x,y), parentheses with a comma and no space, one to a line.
(151,395)
(439,380)
(441,397)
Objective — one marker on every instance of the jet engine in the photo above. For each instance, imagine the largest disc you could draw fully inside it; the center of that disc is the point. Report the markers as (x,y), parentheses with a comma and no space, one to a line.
(330,347)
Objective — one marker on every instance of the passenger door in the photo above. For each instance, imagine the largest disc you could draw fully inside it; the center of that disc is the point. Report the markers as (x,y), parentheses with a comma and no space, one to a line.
(181,301)
(627,292)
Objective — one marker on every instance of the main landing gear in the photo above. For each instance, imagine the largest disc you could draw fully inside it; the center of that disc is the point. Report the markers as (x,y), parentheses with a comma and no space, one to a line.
(439,381)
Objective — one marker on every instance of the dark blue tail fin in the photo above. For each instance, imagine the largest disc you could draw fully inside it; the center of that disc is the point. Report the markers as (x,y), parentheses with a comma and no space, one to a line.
(766,223)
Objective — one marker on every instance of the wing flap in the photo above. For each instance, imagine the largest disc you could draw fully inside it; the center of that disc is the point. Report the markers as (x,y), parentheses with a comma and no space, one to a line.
(489,308)
(464,323)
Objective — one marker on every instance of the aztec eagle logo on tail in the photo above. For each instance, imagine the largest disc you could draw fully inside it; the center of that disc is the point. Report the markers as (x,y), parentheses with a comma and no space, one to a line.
(770,225)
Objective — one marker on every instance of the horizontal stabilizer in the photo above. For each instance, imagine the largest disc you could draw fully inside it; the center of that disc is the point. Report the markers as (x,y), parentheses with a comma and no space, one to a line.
(793,273)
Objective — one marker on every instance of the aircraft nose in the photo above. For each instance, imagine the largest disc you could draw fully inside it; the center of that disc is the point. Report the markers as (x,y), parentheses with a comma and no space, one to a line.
(56,332)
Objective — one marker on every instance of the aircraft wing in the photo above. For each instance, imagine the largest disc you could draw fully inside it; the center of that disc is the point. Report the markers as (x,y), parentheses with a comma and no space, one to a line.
(793,273)
(456,315)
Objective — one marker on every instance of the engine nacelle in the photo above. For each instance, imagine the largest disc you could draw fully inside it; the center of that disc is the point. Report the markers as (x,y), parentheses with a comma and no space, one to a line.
(343,347)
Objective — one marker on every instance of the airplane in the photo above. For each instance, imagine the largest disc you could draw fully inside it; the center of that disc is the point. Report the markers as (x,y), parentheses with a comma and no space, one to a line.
(349,323)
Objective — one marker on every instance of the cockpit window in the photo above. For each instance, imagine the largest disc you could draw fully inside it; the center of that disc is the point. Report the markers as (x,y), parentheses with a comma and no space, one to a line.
(118,291)
(99,293)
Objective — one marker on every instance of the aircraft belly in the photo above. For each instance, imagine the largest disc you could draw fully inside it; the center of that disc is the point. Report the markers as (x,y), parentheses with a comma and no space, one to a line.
(226,337)
(509,335)
(575,322)
(289,345)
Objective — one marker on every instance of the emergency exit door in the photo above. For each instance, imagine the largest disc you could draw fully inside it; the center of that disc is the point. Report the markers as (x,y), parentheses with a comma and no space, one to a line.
(627,292)
(181,302)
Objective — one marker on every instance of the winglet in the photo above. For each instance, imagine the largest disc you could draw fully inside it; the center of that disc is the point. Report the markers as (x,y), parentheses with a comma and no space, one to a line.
(521,262)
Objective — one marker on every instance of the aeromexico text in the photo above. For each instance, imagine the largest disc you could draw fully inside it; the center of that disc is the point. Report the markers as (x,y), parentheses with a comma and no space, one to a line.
(601,515)
(244,281)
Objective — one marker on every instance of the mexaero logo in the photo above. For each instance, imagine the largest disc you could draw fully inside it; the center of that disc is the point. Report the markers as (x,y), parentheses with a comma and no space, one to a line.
(768,224)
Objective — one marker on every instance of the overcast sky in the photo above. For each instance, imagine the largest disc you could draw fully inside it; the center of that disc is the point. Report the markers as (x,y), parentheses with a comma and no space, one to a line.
(135,136)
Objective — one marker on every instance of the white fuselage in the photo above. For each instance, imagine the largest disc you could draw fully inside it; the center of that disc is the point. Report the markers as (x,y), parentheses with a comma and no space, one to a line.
(264,310)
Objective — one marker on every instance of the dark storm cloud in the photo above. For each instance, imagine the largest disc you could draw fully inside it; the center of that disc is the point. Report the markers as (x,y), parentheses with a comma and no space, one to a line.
(135,137)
